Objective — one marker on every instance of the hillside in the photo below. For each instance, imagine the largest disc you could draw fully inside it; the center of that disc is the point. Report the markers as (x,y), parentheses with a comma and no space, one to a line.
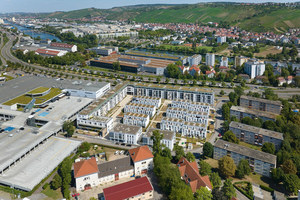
(250,17)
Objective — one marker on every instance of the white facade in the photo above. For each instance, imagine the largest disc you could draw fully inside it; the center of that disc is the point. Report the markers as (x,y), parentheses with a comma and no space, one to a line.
(136,119)
(105,51)
(190,105)
(254,68)
(147,101)
(224,62)
(93,94)
(91,179)
(195,59)
(94,122)
(143,165)
(140,109)
(221,39)
(126,134)
(189,116)
(210,59)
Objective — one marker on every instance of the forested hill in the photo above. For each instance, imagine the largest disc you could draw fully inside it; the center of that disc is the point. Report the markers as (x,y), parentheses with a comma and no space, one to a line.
(248,16)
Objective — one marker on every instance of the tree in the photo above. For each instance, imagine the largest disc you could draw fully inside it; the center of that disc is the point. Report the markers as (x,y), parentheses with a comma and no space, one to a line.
(289,167)
(243,168)
(157,137)
(291,182)
(215,179)
(158,79)
(203,194)
(228,189)
(205,168)
(56,182)
(166,152)
(190,157)
(268,147)
(208,149)
(181,192)
(179,152)
(227,166)
(222,92)
(277,175)
(218,194)
(69,128)
(225,111)
(230,137)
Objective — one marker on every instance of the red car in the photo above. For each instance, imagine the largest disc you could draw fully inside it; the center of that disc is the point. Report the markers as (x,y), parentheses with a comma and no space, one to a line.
(75,194)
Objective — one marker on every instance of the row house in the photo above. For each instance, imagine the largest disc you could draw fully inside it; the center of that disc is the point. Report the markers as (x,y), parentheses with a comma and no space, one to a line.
(260,162)
(189,116)
(95,122)
(255,135)
(152,101)
(136,119)
(261,104)
(140,109)
(191,106)
(168,140)
(241,112)
(190,129)
(124,133)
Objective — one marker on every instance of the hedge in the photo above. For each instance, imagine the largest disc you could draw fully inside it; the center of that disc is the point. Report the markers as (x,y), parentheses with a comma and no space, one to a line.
(266,188)
(241,190)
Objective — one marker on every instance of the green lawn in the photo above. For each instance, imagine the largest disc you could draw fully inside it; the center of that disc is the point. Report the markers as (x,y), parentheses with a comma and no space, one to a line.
(7,77)
(53,194)
(38,90)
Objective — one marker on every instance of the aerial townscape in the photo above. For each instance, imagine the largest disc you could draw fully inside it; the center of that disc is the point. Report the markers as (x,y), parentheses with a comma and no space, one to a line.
(107,100)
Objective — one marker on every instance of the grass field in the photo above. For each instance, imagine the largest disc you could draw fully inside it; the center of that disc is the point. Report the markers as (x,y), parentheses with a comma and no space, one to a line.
(24,99)
(52,194)
(38,90)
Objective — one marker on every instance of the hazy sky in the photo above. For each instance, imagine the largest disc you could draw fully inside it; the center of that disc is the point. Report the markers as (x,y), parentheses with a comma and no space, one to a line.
(65,5)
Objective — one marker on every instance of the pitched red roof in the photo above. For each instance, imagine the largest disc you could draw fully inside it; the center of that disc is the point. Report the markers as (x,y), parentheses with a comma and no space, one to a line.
(140,153)
(223,67)
(63,45)
(194,68)
(128,189)
(47,51)
(85,167)
(208,72)
(190,173)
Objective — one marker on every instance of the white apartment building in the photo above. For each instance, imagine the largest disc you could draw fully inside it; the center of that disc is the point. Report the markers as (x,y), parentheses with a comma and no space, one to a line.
(94,122)
(153,101)
(195,59)
(126,134)
(136,119)
(210,59)
(189,116)
(221,39)
(168,140)
(190,105)
(140,109)
(254,68)
(89,91)
(240,60)
(183,127)
(224,62)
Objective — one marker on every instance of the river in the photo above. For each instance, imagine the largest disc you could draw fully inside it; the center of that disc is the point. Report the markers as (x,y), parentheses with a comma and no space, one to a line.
(33,33)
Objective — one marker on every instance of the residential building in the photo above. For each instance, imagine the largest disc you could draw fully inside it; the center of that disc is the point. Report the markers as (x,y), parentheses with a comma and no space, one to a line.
(289,79)
(261,104)
(136,119)
(189,172)
(254,68)
(142,158)
(190,105)
(95,122)
(126,134)
(194,70)
(240,60)
(140,109)
(195,59)
(88,173)
(184,69)
(190,129)
(137,189)
(63,46)
(210,74)
(105,51)
(261,162)
(281,81)
(255,135)
(224,62)
(169,138)
(241,112)
(152,101)
(187,115)
(210,59)
(221,39)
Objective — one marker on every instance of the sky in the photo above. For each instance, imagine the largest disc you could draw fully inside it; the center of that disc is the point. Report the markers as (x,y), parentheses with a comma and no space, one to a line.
(7,6)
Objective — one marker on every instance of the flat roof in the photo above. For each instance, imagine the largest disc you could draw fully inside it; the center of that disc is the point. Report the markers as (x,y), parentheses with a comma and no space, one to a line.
(251,153)
(254,112)
(124,128)
(187,111)
(32,169)
(261,100)
(136,115)
(92,86)
(257,130)
(140,105)
(182,121)
(167,135)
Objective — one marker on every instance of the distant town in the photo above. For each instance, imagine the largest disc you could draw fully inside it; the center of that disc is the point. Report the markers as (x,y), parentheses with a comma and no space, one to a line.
(118,109)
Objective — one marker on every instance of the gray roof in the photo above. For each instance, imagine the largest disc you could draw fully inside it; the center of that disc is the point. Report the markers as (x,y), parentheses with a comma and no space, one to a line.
(261,100)
(167,135)
(124,128)
(257,130)
(254,112)
(251,153)
(83,85)
(114,167)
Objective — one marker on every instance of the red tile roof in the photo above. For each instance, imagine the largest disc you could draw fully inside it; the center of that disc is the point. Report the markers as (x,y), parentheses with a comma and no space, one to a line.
(194,68)
(128,189)
(47,51)
(190,173)
(85,167)
(140,153)
(208,72)
(63,45)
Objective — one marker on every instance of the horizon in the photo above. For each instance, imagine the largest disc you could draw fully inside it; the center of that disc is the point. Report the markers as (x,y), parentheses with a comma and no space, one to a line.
(42,6)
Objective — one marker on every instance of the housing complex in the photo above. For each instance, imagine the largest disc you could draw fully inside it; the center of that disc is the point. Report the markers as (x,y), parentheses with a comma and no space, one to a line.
(241,112)
(254,68)
(261,104)
(136,119)
(169,138)
(261,162)
(126,134)
(140,109)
